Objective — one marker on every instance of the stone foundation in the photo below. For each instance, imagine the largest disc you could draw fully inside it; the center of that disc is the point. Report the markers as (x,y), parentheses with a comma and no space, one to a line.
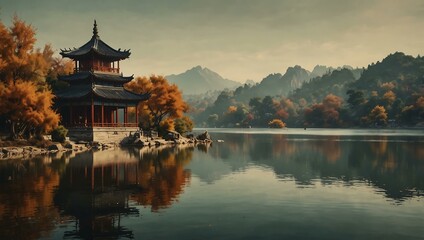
(101,134)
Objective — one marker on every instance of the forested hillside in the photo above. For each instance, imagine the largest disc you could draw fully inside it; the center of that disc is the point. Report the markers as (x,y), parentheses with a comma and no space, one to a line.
(386,93)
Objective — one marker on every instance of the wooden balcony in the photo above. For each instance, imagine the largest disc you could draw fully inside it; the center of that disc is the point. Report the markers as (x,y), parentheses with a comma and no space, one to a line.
(99,69)
(105,125)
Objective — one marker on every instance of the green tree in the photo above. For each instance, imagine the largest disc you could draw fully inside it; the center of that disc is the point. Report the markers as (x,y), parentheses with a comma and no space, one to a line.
(183,125)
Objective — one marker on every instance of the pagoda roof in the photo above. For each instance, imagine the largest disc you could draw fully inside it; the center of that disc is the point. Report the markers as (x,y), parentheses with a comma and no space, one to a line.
(105,92)
(102,76)
(95,46)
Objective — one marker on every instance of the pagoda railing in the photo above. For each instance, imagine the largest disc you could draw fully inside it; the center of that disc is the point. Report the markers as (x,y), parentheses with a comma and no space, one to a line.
(88,125)
(98,68)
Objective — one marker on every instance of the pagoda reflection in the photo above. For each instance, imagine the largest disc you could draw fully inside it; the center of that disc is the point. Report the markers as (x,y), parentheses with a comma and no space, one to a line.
(101,188)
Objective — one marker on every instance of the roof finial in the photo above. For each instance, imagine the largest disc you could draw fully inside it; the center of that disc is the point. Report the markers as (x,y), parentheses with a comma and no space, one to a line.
(95,32)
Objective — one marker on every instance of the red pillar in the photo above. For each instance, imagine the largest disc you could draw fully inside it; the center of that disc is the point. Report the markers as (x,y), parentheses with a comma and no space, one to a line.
(117,117)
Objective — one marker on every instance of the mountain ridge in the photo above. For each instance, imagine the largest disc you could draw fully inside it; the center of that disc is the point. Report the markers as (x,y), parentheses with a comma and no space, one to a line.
(199,80)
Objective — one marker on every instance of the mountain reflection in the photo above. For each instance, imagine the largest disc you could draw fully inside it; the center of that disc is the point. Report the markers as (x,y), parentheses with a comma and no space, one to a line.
(392,165)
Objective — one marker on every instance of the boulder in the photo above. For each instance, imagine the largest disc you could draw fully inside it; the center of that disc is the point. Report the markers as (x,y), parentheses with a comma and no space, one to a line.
(55,147)
(69,145)
(12,151)
(204,136)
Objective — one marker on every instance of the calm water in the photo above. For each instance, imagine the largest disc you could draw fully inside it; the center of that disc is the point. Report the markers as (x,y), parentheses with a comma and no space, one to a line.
(257,184)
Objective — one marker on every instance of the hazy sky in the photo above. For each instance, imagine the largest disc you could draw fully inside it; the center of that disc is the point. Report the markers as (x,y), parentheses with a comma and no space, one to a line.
(239,39)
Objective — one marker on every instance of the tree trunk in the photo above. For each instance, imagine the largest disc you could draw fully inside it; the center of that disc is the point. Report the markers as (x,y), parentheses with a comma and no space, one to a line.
(12,135)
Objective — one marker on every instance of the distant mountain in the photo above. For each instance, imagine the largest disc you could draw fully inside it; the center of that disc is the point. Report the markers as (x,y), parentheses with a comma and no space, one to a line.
(200,80)
(404,71)
(320,70)
(250,82)
(316,89)
(275,84)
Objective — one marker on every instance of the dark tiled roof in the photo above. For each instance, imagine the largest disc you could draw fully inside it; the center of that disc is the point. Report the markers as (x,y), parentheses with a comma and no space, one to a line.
(75,91)
(105,92)
(117,93)
(95,45)
(102,76)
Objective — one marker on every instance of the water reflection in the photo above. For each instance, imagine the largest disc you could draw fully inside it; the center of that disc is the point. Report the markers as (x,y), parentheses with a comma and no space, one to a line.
(26,198)
(393,165)
(96,189)
(93,194)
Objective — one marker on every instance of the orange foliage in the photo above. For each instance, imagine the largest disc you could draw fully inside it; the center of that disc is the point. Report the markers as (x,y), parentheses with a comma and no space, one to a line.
(29,201)
(27,109)
(231,109)
(378,115)
(163,179)
(389,97)
(387,86)
(24,98)
(19,59)
(332,102)
(276,123)
(285,108)
(60,66)
(282,113)
(165,99)
(167,124)
(326,112)
(420,103)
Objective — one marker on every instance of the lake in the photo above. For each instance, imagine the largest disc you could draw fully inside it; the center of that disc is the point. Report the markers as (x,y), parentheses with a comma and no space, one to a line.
(256,184)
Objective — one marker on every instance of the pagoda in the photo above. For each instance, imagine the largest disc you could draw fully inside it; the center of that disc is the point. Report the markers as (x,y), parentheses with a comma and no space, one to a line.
(96,106)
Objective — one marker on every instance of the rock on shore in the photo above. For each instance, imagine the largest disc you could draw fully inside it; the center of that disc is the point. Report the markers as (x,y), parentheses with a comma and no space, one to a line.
(31,151)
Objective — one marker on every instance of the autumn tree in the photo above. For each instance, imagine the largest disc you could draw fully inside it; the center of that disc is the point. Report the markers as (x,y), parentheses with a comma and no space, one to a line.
(25,100)
(378,116)
(326,113)
(165,100)
(276,123)
(414,113)
(27,110)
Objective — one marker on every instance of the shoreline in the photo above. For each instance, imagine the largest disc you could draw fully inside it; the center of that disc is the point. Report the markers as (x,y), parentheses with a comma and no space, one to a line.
(31,150)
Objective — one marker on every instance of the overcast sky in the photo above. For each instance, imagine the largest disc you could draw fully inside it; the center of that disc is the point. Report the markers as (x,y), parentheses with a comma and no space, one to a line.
(239,39)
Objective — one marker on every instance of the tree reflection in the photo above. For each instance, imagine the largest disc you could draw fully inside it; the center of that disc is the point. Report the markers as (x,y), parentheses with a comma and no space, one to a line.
(26,198)
(162,177)
(393,165)
(97,188)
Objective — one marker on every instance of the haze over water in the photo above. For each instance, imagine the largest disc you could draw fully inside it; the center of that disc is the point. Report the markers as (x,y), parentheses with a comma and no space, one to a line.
(257,184)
